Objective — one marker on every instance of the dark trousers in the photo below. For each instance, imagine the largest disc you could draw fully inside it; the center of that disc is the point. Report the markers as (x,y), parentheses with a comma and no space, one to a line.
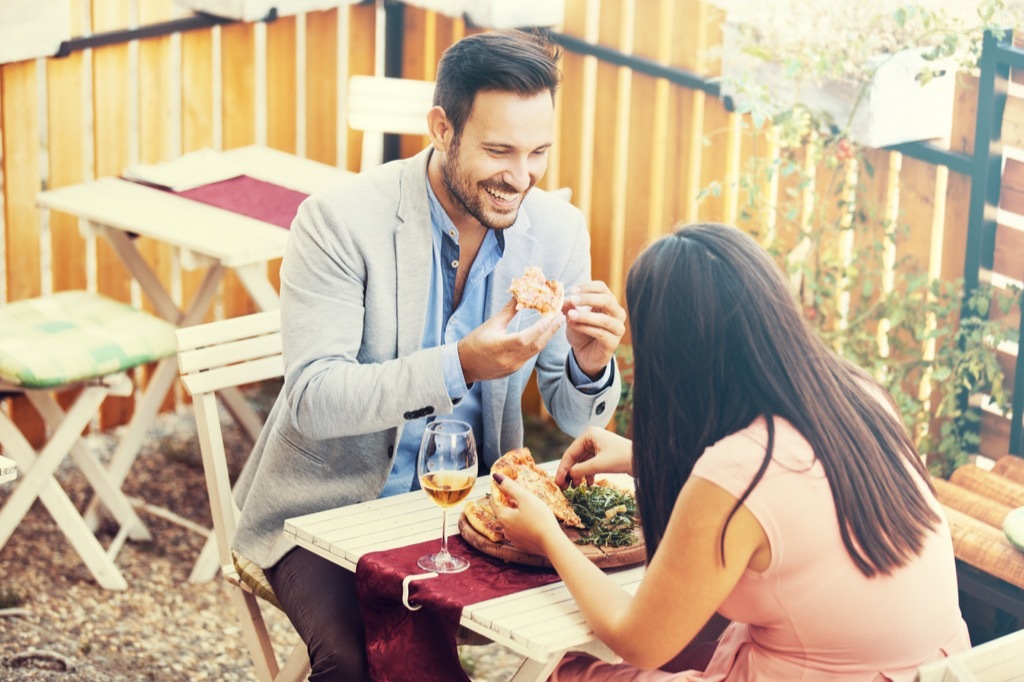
(319,598)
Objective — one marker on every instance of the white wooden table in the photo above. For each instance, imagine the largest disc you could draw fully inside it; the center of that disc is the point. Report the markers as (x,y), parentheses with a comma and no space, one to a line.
(542,623)
(201,236)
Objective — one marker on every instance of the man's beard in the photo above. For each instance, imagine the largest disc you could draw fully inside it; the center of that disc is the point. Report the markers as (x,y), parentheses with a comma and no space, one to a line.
(463,191)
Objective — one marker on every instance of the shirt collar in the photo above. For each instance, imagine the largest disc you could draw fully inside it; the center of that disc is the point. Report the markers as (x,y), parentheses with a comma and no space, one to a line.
(444,227)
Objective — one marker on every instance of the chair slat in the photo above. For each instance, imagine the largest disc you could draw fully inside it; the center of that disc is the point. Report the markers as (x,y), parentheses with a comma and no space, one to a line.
(211,333)
(229,352)
(234,375)
(393,105)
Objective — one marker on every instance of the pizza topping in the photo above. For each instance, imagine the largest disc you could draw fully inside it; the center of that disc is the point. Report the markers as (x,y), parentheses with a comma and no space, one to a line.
(608,514)
(533,291)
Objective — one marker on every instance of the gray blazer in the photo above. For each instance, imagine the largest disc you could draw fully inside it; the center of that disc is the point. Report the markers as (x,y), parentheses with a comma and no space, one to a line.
(353,307)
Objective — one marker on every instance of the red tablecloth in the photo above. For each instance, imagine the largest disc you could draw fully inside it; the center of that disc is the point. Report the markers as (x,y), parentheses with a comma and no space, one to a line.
(251,197)
(419,646)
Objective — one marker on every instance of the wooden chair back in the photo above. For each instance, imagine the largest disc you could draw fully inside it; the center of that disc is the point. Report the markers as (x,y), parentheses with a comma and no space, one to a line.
(213,357)
(379,105)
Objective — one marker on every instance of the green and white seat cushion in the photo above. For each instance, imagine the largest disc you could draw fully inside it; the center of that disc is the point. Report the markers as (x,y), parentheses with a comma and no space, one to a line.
(75,336)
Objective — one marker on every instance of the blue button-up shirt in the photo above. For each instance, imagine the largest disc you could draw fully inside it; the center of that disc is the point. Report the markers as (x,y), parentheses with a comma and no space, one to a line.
(445,327)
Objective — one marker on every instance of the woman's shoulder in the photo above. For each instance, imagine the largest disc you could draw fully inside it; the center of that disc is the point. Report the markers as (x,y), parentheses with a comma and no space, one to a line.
(743,451)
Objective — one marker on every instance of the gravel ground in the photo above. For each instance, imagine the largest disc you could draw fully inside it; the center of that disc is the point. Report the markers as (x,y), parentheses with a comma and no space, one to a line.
(56,623)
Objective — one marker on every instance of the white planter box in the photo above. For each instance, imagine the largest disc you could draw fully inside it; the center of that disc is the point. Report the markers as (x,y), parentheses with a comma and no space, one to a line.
(499,13)
(895,107)
(32,28)
(257,10)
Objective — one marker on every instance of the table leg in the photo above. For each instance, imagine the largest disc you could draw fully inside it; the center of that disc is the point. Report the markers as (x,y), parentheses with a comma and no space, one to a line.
(151,285)
(106,489)
(131,441)
(254,278)
(533,670)
(39,482)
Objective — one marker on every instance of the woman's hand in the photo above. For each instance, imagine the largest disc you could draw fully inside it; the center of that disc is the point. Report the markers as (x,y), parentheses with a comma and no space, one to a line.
(529,524)
(597,451)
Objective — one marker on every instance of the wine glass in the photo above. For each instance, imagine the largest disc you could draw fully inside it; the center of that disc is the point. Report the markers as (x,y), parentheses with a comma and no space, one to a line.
(446,467)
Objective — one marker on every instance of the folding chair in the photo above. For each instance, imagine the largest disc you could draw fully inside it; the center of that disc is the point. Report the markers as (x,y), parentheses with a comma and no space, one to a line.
(73,340)
(211,358)
(379,105)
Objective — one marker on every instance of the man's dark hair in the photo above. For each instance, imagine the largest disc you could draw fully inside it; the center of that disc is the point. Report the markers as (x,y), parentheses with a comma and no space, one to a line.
(523,62)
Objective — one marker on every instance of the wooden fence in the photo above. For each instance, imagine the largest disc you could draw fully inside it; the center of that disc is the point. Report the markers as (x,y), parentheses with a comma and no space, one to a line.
(636,150)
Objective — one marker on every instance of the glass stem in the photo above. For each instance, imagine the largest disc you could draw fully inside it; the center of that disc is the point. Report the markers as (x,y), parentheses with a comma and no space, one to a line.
(443,556)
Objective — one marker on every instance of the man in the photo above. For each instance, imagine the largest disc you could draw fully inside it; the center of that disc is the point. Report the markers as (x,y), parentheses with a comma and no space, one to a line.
(395,309)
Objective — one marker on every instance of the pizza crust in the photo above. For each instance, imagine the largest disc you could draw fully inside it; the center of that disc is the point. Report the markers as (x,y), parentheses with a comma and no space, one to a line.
(484,521)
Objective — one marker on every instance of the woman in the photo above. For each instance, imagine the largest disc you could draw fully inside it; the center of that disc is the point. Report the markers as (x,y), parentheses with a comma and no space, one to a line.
(775,485)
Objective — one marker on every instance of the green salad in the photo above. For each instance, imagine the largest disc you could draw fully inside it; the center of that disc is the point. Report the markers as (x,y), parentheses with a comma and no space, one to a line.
(609,515)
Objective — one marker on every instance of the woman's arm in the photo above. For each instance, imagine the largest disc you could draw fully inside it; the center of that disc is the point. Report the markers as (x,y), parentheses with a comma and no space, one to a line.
(684,584)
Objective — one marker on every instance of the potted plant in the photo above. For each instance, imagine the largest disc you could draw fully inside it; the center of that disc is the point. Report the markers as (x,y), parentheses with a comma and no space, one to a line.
(880,71)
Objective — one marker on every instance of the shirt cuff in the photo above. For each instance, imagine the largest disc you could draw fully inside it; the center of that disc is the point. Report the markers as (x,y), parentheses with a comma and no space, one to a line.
(454,379)
(585,384)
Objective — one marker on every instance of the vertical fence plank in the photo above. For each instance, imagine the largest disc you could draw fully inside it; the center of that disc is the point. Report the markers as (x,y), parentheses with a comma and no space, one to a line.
(604,163)
(619,184)
(65,107)
(657,221)
(361,41)
(686,138)
(578,106)
(238,116)
(719,137)
(419,61)
(282,91)
(111,78)
(322,86)
(282,99)
(19,125)
(21,173)
(197,114)
(157,128)
(158,140)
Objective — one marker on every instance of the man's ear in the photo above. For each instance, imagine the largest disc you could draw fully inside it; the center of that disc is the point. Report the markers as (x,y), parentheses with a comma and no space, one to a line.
(439,128)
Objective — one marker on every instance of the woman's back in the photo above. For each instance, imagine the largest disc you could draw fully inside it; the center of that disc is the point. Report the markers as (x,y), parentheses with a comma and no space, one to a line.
(812,614)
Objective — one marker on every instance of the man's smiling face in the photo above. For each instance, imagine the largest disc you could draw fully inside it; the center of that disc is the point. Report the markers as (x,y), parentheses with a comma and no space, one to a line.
(501,153)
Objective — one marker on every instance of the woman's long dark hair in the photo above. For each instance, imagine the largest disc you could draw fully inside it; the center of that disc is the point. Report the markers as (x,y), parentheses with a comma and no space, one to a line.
(719,341)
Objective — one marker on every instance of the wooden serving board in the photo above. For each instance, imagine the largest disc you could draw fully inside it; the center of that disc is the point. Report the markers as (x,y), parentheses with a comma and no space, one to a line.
(604,557)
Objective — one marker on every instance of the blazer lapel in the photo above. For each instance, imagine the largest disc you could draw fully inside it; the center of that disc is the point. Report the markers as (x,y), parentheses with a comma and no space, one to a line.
(413,255)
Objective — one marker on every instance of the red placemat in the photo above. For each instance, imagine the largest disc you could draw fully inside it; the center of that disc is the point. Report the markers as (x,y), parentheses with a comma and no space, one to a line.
(248,196)
(420,645)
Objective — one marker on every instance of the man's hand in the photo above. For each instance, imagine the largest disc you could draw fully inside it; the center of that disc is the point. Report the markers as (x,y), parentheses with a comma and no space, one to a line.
(490,352)
(596,323)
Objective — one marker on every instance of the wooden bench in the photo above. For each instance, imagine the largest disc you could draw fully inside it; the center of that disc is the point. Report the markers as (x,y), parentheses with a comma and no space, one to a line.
(977,502)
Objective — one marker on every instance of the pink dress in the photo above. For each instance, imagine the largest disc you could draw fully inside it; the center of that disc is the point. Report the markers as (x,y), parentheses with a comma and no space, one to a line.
(812,615)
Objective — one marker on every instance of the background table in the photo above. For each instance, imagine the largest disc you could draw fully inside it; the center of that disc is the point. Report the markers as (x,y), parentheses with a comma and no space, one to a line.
(202,236)
(542,623)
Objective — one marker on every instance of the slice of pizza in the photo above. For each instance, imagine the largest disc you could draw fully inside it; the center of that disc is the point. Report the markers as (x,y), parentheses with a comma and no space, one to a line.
(484,521)
(533,291)
(519,465)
